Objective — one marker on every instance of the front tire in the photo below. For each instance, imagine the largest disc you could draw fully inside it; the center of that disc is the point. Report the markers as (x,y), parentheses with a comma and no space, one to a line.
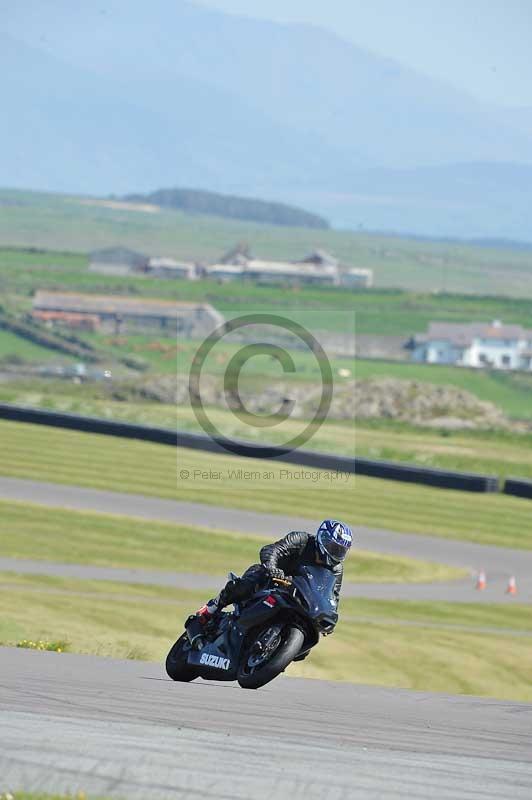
(253,677)
(176,662)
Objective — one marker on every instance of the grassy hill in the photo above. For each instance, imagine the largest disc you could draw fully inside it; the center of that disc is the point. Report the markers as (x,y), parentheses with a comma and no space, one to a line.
(195,201)
(76,224)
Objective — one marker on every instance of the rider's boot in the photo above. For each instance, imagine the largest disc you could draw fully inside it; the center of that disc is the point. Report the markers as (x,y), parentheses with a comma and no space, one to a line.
(209,611)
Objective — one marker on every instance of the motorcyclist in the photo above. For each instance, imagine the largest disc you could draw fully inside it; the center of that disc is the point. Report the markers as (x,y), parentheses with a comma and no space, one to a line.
(328,547)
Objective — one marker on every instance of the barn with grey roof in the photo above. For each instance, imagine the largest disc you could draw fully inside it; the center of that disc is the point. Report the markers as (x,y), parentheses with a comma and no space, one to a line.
(120,314)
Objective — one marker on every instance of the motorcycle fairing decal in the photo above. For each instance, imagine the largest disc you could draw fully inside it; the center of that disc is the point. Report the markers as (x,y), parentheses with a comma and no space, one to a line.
(210,660)
(270,601)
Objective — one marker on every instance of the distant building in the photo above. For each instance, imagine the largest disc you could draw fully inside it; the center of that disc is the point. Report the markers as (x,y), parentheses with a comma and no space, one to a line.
(275,272)
(83,322)
(474,344)
(224,273)
(239,255)
(320,258)
(169,268)
(291,273)
(117,261)
(319,268)
(120,314)
(357,278)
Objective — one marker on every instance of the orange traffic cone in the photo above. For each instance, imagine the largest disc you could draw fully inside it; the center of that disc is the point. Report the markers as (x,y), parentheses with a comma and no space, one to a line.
(481,581)
(512,586)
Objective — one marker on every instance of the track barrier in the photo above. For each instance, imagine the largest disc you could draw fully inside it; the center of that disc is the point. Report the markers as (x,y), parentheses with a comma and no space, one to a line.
(518,488)
(385,470)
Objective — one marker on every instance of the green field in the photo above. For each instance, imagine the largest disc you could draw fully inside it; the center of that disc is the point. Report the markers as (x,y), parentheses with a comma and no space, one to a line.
(378,311)
(501,453)
(120,541)
(59,222)
(509,391)
(15,349)
(40,796)
(455,648)
(132,466)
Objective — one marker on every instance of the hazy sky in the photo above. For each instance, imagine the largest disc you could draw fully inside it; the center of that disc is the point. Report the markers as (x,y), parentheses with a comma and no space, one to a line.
(484,46)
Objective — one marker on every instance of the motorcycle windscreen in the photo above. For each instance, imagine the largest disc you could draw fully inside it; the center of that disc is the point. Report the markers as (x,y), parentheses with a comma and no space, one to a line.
(316,584)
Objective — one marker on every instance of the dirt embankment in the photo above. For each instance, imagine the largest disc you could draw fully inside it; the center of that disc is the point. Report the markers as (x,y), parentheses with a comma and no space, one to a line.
(375,398)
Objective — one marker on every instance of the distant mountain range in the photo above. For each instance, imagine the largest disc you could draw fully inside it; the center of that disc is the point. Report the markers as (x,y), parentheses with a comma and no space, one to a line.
(124,96)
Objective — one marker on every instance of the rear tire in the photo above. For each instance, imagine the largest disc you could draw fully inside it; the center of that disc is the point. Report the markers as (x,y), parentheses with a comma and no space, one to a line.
(291,645)
(176,662)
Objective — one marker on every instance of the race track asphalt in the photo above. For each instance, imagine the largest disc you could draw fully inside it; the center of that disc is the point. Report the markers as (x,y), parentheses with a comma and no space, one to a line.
(121,729)
(499,562)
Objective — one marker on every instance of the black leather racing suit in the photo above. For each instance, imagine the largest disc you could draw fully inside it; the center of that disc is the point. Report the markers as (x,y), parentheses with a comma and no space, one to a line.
(297,547)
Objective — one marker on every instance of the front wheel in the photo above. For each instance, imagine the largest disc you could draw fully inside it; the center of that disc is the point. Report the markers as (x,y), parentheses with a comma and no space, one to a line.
(260,665)
(176,661)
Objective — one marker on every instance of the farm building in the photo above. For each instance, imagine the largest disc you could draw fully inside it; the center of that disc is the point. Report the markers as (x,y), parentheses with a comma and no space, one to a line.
(224,273)
(320,258)
(117,261)
(278,272)
(120,314)
(83,322)
(317,269)
(169,268)
(357,278)
(474,344)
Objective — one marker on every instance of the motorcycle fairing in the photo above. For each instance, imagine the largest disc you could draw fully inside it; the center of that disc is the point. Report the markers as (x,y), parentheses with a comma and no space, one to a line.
(226,647)
(316,586)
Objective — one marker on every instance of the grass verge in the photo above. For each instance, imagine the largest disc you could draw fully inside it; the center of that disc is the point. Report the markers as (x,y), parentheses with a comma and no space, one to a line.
(498,452)
(38,532)
(47,454)
(489,655)
(40,796)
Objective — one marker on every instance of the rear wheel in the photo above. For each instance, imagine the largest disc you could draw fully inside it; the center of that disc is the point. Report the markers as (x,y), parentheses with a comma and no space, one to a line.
(176,661)
(260,665)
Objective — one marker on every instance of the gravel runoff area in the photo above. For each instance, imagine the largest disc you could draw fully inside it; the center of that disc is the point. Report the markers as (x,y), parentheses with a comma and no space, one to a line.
(499,563)
(122,729)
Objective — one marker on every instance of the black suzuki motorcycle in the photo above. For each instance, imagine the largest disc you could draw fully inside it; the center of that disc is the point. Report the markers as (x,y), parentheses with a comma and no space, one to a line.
(259,639)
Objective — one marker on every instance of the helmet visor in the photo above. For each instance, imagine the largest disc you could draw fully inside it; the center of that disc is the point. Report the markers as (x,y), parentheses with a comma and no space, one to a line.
(335,550)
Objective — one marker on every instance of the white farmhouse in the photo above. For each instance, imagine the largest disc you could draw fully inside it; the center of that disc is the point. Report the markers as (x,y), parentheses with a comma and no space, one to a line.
(474,344)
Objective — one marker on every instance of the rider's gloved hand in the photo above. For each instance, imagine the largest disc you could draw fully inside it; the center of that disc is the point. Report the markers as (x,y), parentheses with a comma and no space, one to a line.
(276,574)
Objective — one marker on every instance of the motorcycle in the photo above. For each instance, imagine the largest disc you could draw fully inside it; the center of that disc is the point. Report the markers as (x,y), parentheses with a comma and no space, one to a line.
(260,638)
